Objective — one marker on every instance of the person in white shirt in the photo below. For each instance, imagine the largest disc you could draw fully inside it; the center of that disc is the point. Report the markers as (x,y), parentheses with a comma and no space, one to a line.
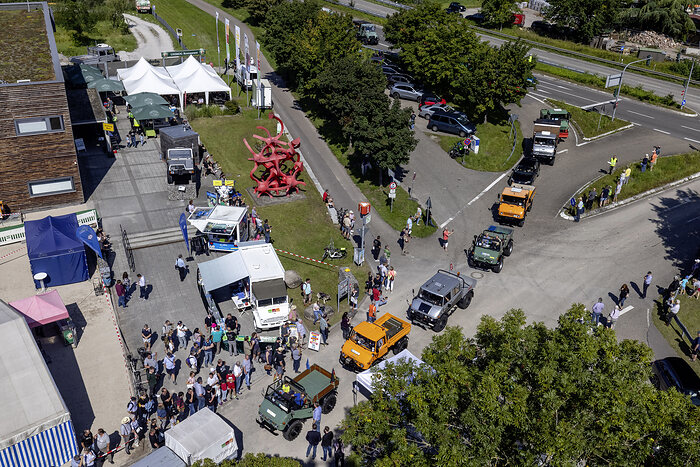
(102,442)
(142,286)
(181,335)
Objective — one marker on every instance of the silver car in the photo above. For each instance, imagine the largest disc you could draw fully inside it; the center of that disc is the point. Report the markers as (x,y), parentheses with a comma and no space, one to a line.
(406,91)
(427,110)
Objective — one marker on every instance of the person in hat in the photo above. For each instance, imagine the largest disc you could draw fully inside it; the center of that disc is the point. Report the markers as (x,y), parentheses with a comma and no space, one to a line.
(292,314)
(127,434)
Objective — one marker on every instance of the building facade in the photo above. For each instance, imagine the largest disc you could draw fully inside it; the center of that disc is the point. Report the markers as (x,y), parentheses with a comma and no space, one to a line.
(38,161)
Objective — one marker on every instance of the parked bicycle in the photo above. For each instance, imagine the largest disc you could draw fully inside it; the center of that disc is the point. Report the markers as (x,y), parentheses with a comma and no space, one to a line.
(331,252)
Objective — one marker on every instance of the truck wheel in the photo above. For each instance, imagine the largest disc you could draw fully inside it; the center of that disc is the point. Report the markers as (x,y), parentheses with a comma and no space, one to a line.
(328,404)
(409,315)
(498,267)
(440,324)
(466,300)
(400,345)
(509,248)
(470,259)
(293,430)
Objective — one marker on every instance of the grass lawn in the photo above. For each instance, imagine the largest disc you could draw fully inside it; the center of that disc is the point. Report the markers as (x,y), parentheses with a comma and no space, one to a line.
(690,317)
(198,28)
(494,147)
(667,169)
(590,123)
(301,226)
(24,48)
(104,34)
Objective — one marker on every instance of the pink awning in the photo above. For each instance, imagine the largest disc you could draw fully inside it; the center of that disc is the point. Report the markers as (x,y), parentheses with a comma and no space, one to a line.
(42,309)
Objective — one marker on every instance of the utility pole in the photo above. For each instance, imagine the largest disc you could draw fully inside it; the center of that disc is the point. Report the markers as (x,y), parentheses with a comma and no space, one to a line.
(619,86)
(685,91)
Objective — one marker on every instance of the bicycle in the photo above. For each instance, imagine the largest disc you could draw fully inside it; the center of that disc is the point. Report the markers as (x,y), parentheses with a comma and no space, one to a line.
(332,252)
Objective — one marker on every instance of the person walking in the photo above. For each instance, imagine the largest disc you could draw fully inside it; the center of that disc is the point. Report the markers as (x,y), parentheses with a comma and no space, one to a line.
(647,282)
(598,311)
(102,442)
(127,434)
(339,453)
(314,438)
(181,267)
(613,163)
(624,293)
(306,291)
(323,328)
(142,286)
(445,237)
(296,358)
(327,444)
(376,248)
(121,294)
(247,370)
(345,325)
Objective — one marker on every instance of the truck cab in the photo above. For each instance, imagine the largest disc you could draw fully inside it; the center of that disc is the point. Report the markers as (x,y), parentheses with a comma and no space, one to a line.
(366,32)
(288,402)
(180,166)
(490,247)
(439,297)
(369,342)
(100,53)
(515,202)
(544,146)
(560,115)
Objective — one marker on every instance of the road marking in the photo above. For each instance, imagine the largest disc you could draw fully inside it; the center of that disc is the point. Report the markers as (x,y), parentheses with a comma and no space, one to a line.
(648,323)
(626,309)
(693,140)
(442,226)
(691,220)
(562,151)
(384,45)
(542,90)
(661,131)
(641,114)
(529,94)
(688,128)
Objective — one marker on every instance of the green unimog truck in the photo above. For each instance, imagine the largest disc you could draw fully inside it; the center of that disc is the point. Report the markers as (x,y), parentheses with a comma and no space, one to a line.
(288,402)
(560,115)
(490,247)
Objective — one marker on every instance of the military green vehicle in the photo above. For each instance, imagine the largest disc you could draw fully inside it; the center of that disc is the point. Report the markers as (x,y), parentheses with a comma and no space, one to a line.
(490,247)
(288,402)
(560,115)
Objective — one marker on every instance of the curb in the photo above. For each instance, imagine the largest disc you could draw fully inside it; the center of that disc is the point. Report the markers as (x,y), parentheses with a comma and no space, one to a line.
(640,196)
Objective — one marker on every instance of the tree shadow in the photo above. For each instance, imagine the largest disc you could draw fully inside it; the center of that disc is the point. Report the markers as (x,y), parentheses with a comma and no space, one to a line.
(680,237)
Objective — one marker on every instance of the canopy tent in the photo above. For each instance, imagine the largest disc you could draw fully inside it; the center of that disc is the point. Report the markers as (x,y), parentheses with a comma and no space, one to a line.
(222,271)
(203,435)
(42,309)
(151,112)
(161,457)
(144,98)
(151,82)
(140,69)
(364,379)
(35,429)
(186,68)
(54,248)
(202,81)
(104,85)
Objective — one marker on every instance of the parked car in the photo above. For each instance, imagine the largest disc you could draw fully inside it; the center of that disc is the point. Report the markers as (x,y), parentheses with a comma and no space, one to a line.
(391,70)
(429,98)
(525,172)
(406,91)
(398,78)
(674,372)
(451,123)
(427,110)
(456,7)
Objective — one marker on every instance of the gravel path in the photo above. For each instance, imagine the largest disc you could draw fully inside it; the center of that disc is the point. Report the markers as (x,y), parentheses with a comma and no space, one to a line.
(152,39)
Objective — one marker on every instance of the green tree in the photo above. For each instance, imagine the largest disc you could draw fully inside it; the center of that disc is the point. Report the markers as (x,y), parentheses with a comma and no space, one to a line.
(382,134)
(522,394)
(258,9)
(499,12)
(664,16)
(494,78)
(252,460)
(77,15)
(115,12)
(587,17)
(433,44)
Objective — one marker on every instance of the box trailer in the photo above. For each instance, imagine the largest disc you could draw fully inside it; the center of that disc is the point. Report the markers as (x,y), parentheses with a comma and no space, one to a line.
(262,95)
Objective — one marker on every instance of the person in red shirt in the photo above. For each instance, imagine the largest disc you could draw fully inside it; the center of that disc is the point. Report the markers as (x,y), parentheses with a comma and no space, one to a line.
(445,237)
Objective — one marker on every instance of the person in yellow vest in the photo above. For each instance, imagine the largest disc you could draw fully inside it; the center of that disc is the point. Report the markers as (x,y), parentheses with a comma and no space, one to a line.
(613,163)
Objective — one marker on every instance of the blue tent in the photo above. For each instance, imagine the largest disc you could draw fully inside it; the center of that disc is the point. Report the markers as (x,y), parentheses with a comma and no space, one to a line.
(54,248)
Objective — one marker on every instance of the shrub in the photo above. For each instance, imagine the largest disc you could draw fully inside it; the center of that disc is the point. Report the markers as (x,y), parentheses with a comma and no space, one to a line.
(232,107)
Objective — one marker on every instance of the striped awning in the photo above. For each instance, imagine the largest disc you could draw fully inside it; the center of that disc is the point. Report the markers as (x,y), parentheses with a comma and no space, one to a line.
(53,447)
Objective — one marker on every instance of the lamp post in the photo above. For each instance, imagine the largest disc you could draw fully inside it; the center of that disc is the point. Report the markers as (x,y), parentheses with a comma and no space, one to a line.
(619,86)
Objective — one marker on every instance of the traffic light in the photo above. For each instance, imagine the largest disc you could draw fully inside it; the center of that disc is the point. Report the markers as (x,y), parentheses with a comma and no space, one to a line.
(615,92)
(648,60)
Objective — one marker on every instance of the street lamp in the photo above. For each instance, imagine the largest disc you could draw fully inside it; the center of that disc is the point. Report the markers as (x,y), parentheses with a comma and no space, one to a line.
(619,86)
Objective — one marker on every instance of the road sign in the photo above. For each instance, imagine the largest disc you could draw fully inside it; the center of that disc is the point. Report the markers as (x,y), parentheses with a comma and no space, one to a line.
(683,103)
(366,219)
(392,194)
(572,201)
(182,53)
(392,186)
(216,183)
(110,126)
(229,182)
(613,80)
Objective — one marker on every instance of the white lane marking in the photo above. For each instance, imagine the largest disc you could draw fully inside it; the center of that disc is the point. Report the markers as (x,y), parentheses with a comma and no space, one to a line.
(688,128)
(661,131)
(562,151)
(626,309)
(641,114)
(529,94)
(648,323)
(542,90)
(442,226)
(691,220)
(693,140)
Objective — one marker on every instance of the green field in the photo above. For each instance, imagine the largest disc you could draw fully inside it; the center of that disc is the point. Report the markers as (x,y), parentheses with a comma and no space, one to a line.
(591,124)
(690,317)
(668,169)
(494,148)
(302,226)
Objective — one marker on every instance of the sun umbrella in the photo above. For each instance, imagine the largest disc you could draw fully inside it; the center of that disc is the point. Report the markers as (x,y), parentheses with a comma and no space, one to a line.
(145,98)
(104,84)
(151,111)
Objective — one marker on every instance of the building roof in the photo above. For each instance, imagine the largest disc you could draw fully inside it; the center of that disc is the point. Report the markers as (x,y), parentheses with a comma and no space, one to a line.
(85,107)
(25,50)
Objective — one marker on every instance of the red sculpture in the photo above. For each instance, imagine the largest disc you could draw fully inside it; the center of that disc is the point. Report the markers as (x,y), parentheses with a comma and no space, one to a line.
(280,161)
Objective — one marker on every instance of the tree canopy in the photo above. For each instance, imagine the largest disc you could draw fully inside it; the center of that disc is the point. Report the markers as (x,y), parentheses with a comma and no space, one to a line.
(664,16)
(498,12)
(587,18)
(522,394)
(252,460)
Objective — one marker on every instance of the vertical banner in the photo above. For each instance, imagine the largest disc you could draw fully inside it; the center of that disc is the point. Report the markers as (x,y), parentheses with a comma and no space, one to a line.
(257,61)
(228,51)
(218,47)
(237,38)
(246,52)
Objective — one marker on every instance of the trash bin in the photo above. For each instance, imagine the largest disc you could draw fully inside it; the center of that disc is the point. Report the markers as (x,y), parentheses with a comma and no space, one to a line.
(67,329)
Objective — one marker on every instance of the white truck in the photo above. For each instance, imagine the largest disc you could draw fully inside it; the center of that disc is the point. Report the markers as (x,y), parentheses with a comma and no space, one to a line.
(262,97)
(246,77)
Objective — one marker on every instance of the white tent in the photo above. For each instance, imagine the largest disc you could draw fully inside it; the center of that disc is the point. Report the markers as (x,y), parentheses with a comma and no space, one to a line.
(203,435)
(201,81)
(140,69)
(35,429)
(151,81)
(364,379)
(188,67)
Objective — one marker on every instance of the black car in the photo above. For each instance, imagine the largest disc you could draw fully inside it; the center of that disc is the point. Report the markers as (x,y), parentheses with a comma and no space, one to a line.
(674,372)
(456,7)
(525,172)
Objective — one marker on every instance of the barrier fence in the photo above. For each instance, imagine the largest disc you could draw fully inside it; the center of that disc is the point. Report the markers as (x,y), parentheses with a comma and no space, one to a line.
(169,28)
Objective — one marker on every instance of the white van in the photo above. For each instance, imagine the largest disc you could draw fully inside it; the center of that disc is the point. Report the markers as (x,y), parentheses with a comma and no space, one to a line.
(246,78)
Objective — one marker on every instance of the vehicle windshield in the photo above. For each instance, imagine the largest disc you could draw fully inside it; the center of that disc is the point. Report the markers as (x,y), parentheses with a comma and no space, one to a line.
(525,167)
(463,120)
(369,27)
(544,141)
(272,301)
(430,297)
(489,242)
(362,341)
(513,200)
